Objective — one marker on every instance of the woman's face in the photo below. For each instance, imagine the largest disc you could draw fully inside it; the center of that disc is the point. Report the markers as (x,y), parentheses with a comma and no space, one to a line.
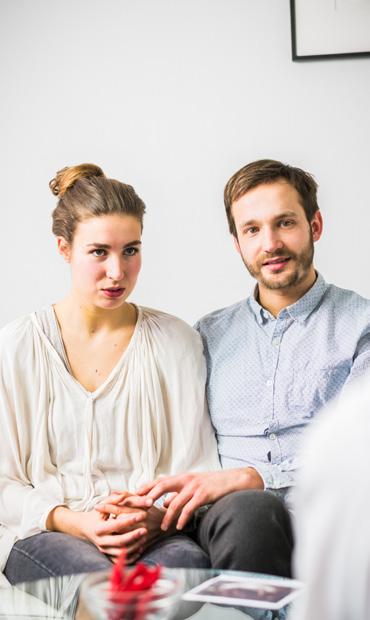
(105,259)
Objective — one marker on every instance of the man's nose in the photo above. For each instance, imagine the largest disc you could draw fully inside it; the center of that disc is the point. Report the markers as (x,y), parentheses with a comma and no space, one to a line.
(271,241)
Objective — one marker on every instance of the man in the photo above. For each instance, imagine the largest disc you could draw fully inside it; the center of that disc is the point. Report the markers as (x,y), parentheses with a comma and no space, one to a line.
(273,361)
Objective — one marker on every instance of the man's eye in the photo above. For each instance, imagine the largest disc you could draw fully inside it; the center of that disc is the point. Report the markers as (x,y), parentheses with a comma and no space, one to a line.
(252,230)
(130,251)
(99,252)
(286,223)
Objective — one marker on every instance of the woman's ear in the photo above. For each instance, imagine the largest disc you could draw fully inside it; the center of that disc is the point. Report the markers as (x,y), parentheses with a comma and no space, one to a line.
(64,248)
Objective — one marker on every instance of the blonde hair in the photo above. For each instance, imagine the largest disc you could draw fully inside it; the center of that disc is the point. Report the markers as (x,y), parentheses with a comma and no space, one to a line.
(84,191)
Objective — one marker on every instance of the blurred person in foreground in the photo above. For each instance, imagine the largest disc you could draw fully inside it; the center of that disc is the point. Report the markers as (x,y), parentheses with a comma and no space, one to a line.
(332,555)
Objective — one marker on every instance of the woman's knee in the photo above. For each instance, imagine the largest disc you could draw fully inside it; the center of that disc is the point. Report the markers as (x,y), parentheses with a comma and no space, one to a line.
(52,554)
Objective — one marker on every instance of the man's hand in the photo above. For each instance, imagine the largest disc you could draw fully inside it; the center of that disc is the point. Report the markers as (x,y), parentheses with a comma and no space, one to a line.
(197,489)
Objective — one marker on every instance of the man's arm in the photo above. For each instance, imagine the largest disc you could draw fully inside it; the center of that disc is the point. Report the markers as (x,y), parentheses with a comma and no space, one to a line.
(194,490)
(361,361)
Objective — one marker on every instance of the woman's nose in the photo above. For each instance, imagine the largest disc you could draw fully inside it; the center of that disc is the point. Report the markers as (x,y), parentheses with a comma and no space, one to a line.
(115,269)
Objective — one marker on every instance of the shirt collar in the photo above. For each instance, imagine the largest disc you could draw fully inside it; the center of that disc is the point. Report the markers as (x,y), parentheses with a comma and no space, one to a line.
(299,311)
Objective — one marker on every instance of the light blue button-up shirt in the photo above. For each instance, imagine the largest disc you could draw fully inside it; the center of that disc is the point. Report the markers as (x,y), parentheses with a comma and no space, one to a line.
(268,377)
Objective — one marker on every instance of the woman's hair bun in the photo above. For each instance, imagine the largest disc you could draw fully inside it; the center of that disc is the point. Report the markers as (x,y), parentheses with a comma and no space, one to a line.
(68,176)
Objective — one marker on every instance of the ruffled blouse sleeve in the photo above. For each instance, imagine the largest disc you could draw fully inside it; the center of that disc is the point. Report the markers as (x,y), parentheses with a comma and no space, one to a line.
(24,399)
(191,444)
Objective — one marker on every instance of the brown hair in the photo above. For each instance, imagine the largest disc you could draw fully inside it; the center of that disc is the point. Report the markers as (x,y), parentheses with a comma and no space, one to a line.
(268,171)
(84,191)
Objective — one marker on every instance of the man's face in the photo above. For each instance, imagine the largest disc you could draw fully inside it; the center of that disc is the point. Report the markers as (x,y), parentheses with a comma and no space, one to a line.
(274,238)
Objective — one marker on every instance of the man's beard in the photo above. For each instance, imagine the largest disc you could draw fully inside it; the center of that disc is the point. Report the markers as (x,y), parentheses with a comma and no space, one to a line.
(303,262)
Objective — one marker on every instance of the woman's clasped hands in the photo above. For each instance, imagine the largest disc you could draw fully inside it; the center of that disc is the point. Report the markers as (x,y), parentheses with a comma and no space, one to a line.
(127,520)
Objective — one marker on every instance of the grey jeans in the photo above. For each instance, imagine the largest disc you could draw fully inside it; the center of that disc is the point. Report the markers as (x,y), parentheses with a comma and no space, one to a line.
(52,554)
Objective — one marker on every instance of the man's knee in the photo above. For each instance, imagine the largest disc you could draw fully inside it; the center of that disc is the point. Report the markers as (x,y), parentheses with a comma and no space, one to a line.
(248,530)
(249,509)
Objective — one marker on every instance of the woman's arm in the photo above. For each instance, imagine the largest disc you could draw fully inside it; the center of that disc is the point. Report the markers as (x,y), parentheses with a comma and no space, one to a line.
(24,452)
(183,368)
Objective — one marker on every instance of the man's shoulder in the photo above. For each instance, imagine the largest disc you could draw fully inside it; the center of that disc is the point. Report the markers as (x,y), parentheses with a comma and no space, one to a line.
(346,299)
(220,320)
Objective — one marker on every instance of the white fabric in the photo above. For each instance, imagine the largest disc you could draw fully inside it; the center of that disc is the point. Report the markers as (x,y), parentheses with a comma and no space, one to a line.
(61,444)
(48,322)
(332,512)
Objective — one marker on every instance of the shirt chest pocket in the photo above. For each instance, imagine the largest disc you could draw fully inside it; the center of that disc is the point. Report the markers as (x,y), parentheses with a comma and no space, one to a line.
(312,387)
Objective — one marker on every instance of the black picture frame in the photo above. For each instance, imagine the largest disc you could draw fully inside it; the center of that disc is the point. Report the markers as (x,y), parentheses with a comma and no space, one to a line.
(296,56)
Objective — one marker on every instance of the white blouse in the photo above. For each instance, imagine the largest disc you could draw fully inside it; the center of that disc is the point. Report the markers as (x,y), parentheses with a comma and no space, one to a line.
(61,444)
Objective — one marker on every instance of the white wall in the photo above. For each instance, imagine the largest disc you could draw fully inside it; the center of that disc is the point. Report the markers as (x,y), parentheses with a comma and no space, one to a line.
(172,96)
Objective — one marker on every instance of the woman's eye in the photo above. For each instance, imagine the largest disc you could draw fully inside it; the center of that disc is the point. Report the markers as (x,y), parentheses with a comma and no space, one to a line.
(130,251)
(99,252)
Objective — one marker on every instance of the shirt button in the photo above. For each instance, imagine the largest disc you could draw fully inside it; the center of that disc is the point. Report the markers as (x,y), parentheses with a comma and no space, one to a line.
(268,382)
(272,436)
(276,342)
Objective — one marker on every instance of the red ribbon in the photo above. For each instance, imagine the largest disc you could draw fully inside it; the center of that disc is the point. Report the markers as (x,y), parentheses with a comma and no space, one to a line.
(125,587)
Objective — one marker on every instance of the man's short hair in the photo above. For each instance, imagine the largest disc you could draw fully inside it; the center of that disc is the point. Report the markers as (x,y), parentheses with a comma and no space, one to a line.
(268,171)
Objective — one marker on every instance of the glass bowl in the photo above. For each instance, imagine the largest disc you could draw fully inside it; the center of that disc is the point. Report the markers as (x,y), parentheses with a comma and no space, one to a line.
(159,603)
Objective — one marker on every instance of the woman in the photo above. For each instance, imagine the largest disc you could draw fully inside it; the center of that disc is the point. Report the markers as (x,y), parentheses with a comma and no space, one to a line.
(97,395)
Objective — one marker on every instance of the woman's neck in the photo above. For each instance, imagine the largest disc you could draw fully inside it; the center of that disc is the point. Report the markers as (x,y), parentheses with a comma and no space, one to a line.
(89,319)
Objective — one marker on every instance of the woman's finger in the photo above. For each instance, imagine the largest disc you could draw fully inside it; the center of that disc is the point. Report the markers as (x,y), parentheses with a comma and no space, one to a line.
(122,523)
(122,540)
(132,549)
(112,509)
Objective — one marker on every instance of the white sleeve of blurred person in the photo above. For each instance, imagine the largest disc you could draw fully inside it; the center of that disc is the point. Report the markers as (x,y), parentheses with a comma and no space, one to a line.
(332,501)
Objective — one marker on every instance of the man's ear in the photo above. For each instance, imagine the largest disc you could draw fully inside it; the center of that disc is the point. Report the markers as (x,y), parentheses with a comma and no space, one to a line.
(316,226)
(64,248)
(236,244)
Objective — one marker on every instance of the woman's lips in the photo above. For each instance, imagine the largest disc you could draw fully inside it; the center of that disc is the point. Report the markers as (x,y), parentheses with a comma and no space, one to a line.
(113,293)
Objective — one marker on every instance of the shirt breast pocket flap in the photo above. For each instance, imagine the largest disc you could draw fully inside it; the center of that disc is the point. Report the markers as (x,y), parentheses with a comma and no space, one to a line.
(314,386)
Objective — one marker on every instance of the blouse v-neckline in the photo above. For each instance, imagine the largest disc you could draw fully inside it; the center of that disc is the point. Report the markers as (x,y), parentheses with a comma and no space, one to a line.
(68,374)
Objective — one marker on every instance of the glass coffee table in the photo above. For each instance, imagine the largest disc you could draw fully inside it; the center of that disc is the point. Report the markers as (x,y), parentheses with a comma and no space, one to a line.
(59,598)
